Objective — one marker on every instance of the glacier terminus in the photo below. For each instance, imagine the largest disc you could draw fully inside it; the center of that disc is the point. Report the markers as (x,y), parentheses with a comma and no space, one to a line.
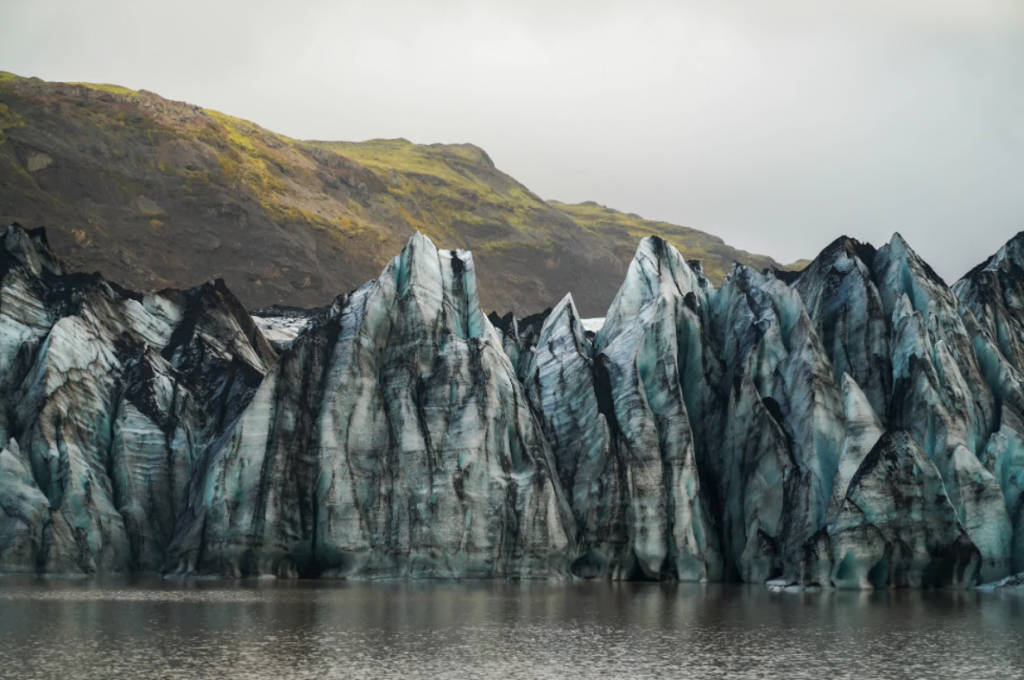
(855,425)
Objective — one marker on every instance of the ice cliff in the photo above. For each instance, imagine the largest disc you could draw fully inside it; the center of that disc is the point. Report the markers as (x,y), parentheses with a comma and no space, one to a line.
(856,425)
(108,399)
(392,439)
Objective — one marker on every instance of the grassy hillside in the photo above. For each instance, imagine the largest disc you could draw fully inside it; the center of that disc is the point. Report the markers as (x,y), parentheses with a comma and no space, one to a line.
(158,193)
(623,229)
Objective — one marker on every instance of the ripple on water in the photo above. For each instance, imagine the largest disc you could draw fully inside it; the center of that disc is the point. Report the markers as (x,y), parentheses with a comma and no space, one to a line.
(148,628)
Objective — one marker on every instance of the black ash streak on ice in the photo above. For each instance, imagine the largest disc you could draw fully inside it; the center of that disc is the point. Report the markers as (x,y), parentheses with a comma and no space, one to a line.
(857,425)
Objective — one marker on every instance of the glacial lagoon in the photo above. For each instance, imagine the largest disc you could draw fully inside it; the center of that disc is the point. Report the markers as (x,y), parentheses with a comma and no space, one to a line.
(145,628)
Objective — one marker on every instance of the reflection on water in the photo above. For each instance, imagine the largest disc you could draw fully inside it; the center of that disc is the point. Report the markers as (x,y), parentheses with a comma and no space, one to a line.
(148,628)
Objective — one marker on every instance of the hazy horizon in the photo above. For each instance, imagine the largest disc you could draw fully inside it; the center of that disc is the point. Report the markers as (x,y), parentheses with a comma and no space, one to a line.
(775,128)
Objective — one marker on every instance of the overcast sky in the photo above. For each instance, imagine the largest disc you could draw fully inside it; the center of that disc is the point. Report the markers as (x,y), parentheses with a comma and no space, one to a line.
(775,125)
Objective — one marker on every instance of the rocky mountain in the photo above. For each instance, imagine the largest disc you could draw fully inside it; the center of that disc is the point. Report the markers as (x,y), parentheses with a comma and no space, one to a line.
(155,193)
(856,425)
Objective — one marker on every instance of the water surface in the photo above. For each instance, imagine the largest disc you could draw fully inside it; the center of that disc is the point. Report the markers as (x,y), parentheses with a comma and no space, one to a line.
(149,628)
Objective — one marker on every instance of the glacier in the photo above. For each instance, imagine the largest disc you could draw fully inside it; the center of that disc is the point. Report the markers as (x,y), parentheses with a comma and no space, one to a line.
(855,425)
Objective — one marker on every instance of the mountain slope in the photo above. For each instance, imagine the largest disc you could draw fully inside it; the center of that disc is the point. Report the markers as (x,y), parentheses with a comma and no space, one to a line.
(622,230)
(157,193)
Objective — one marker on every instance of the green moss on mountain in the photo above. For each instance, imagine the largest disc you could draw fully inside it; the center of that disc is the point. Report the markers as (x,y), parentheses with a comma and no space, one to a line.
(611,225)
(154,193)
(104,87)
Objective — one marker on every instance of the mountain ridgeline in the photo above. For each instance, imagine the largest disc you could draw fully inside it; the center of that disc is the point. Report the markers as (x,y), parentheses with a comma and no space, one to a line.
(857,425)
(155,193)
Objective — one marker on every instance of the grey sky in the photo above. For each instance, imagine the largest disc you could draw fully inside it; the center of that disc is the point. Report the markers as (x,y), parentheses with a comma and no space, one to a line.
(775,125)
